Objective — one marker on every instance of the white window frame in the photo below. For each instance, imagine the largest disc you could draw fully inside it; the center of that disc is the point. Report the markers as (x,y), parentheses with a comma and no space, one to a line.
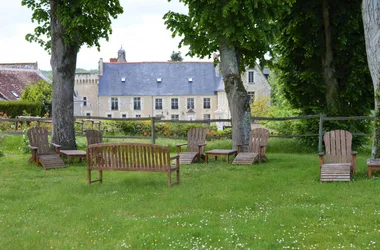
(251,96)
(171,103)
(156,102)
(113,101)
(174,118)
(136,100)
(251,76)
(85,101)
(187,104)
(206,118)
(205,101)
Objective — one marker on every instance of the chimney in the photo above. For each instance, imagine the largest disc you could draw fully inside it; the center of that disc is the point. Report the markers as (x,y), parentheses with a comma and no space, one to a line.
(100,67)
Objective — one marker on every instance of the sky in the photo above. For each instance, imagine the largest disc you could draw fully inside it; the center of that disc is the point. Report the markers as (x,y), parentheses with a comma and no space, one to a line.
(140,30)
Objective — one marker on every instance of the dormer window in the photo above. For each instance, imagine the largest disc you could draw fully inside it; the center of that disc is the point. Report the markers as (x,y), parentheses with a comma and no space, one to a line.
(15,94)
(159,79)
(190,79)
(123,79)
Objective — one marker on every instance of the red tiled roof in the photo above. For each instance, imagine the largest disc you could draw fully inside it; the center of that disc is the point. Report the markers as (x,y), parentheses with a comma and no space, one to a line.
(15,80)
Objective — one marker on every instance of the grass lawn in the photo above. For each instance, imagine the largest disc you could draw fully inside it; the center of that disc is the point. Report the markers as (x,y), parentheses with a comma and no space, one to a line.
(275,205)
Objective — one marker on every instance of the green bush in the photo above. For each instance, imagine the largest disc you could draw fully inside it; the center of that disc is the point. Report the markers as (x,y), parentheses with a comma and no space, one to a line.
(18,108)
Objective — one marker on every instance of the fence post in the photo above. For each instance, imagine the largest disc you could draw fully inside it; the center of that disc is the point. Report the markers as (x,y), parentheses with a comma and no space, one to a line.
(320,137)
(153,131)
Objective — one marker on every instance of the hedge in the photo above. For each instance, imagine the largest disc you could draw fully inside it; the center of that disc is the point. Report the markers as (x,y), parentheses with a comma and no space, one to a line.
(18,108)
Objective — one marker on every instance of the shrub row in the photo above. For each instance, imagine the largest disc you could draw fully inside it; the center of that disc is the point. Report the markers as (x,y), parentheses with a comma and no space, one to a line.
(18,108)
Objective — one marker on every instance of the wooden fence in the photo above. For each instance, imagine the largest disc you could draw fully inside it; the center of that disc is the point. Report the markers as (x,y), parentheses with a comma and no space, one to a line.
(96,123)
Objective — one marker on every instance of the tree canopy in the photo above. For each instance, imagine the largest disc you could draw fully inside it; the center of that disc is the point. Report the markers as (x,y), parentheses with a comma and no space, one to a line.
(301,50)
(63,27)
(176,57)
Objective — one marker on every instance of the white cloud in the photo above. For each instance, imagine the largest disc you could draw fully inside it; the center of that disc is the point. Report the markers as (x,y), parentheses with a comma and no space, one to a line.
(140,30)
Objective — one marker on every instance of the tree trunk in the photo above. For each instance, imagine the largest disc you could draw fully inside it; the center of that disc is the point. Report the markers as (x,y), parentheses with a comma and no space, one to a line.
(236,94)
(63,63)
(328,65)
(371,21)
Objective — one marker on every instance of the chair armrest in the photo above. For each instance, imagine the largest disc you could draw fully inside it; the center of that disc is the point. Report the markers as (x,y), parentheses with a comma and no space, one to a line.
(174,157)
(55,145)
(202,145)
(178,146)
(32,147)
(354,152)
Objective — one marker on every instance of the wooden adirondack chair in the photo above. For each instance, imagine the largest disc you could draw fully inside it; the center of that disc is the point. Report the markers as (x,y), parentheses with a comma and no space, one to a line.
(196,138)
(340,162)
(94,136)
(258,140)
(43,152)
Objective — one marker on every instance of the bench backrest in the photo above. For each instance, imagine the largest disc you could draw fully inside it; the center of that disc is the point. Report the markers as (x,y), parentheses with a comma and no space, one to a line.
(338,146)
(128,156)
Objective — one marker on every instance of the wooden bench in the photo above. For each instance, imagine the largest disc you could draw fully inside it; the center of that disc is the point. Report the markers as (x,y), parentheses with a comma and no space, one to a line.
(130,157)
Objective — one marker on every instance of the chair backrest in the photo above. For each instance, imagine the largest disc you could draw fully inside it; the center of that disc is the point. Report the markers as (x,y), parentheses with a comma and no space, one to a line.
(38,137)
(338,146)
(196,136)
(94,136)
(258,137)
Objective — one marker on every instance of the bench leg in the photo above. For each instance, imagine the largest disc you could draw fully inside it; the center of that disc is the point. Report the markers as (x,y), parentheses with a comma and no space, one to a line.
(100,176)
(169,178)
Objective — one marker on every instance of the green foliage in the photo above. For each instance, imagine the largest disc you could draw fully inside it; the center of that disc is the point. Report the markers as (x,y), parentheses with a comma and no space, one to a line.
(300,49)
(18,108)
(39,92)
(83,21)
(176,57)
(245,25)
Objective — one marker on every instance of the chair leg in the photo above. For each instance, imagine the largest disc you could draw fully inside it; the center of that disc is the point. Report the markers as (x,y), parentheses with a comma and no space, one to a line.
(169,178)
(89,176)
(100,176)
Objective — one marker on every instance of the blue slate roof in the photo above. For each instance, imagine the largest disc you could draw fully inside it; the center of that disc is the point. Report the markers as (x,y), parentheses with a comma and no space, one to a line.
(141,79)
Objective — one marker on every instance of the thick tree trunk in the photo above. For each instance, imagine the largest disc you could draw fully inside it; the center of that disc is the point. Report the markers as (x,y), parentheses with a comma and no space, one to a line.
(328,65)
(371,21)
(63,63)
(236,94)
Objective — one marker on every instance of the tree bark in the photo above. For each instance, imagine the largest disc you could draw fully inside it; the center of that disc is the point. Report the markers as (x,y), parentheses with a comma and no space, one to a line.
(328,65)
(236,95)
(371,22)
(63,63)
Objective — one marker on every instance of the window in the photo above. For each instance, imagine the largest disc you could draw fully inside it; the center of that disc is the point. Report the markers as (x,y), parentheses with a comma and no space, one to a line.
(158,103)
(138,116)
(109,115)
(206,103)
(114,103)
(175,117)
(251,76)
(251,96)
(88,114)
(15,94)
(123,115)
(136,103)
(84,101)
(174,103)
(190,103)
(206,117)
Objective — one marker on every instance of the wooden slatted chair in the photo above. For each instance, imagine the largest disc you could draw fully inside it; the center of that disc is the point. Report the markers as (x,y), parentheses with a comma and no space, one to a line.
(258,140)
(42,151)
(196,138)
(339,162)
(94,136)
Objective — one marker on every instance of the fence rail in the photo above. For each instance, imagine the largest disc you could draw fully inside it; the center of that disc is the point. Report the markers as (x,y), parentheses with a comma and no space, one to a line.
(97,121)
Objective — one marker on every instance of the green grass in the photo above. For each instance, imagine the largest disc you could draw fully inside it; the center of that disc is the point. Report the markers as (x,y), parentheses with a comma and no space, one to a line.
(274,205)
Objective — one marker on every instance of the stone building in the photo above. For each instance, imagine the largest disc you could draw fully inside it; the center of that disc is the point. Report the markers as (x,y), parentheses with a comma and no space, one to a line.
(170,90)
